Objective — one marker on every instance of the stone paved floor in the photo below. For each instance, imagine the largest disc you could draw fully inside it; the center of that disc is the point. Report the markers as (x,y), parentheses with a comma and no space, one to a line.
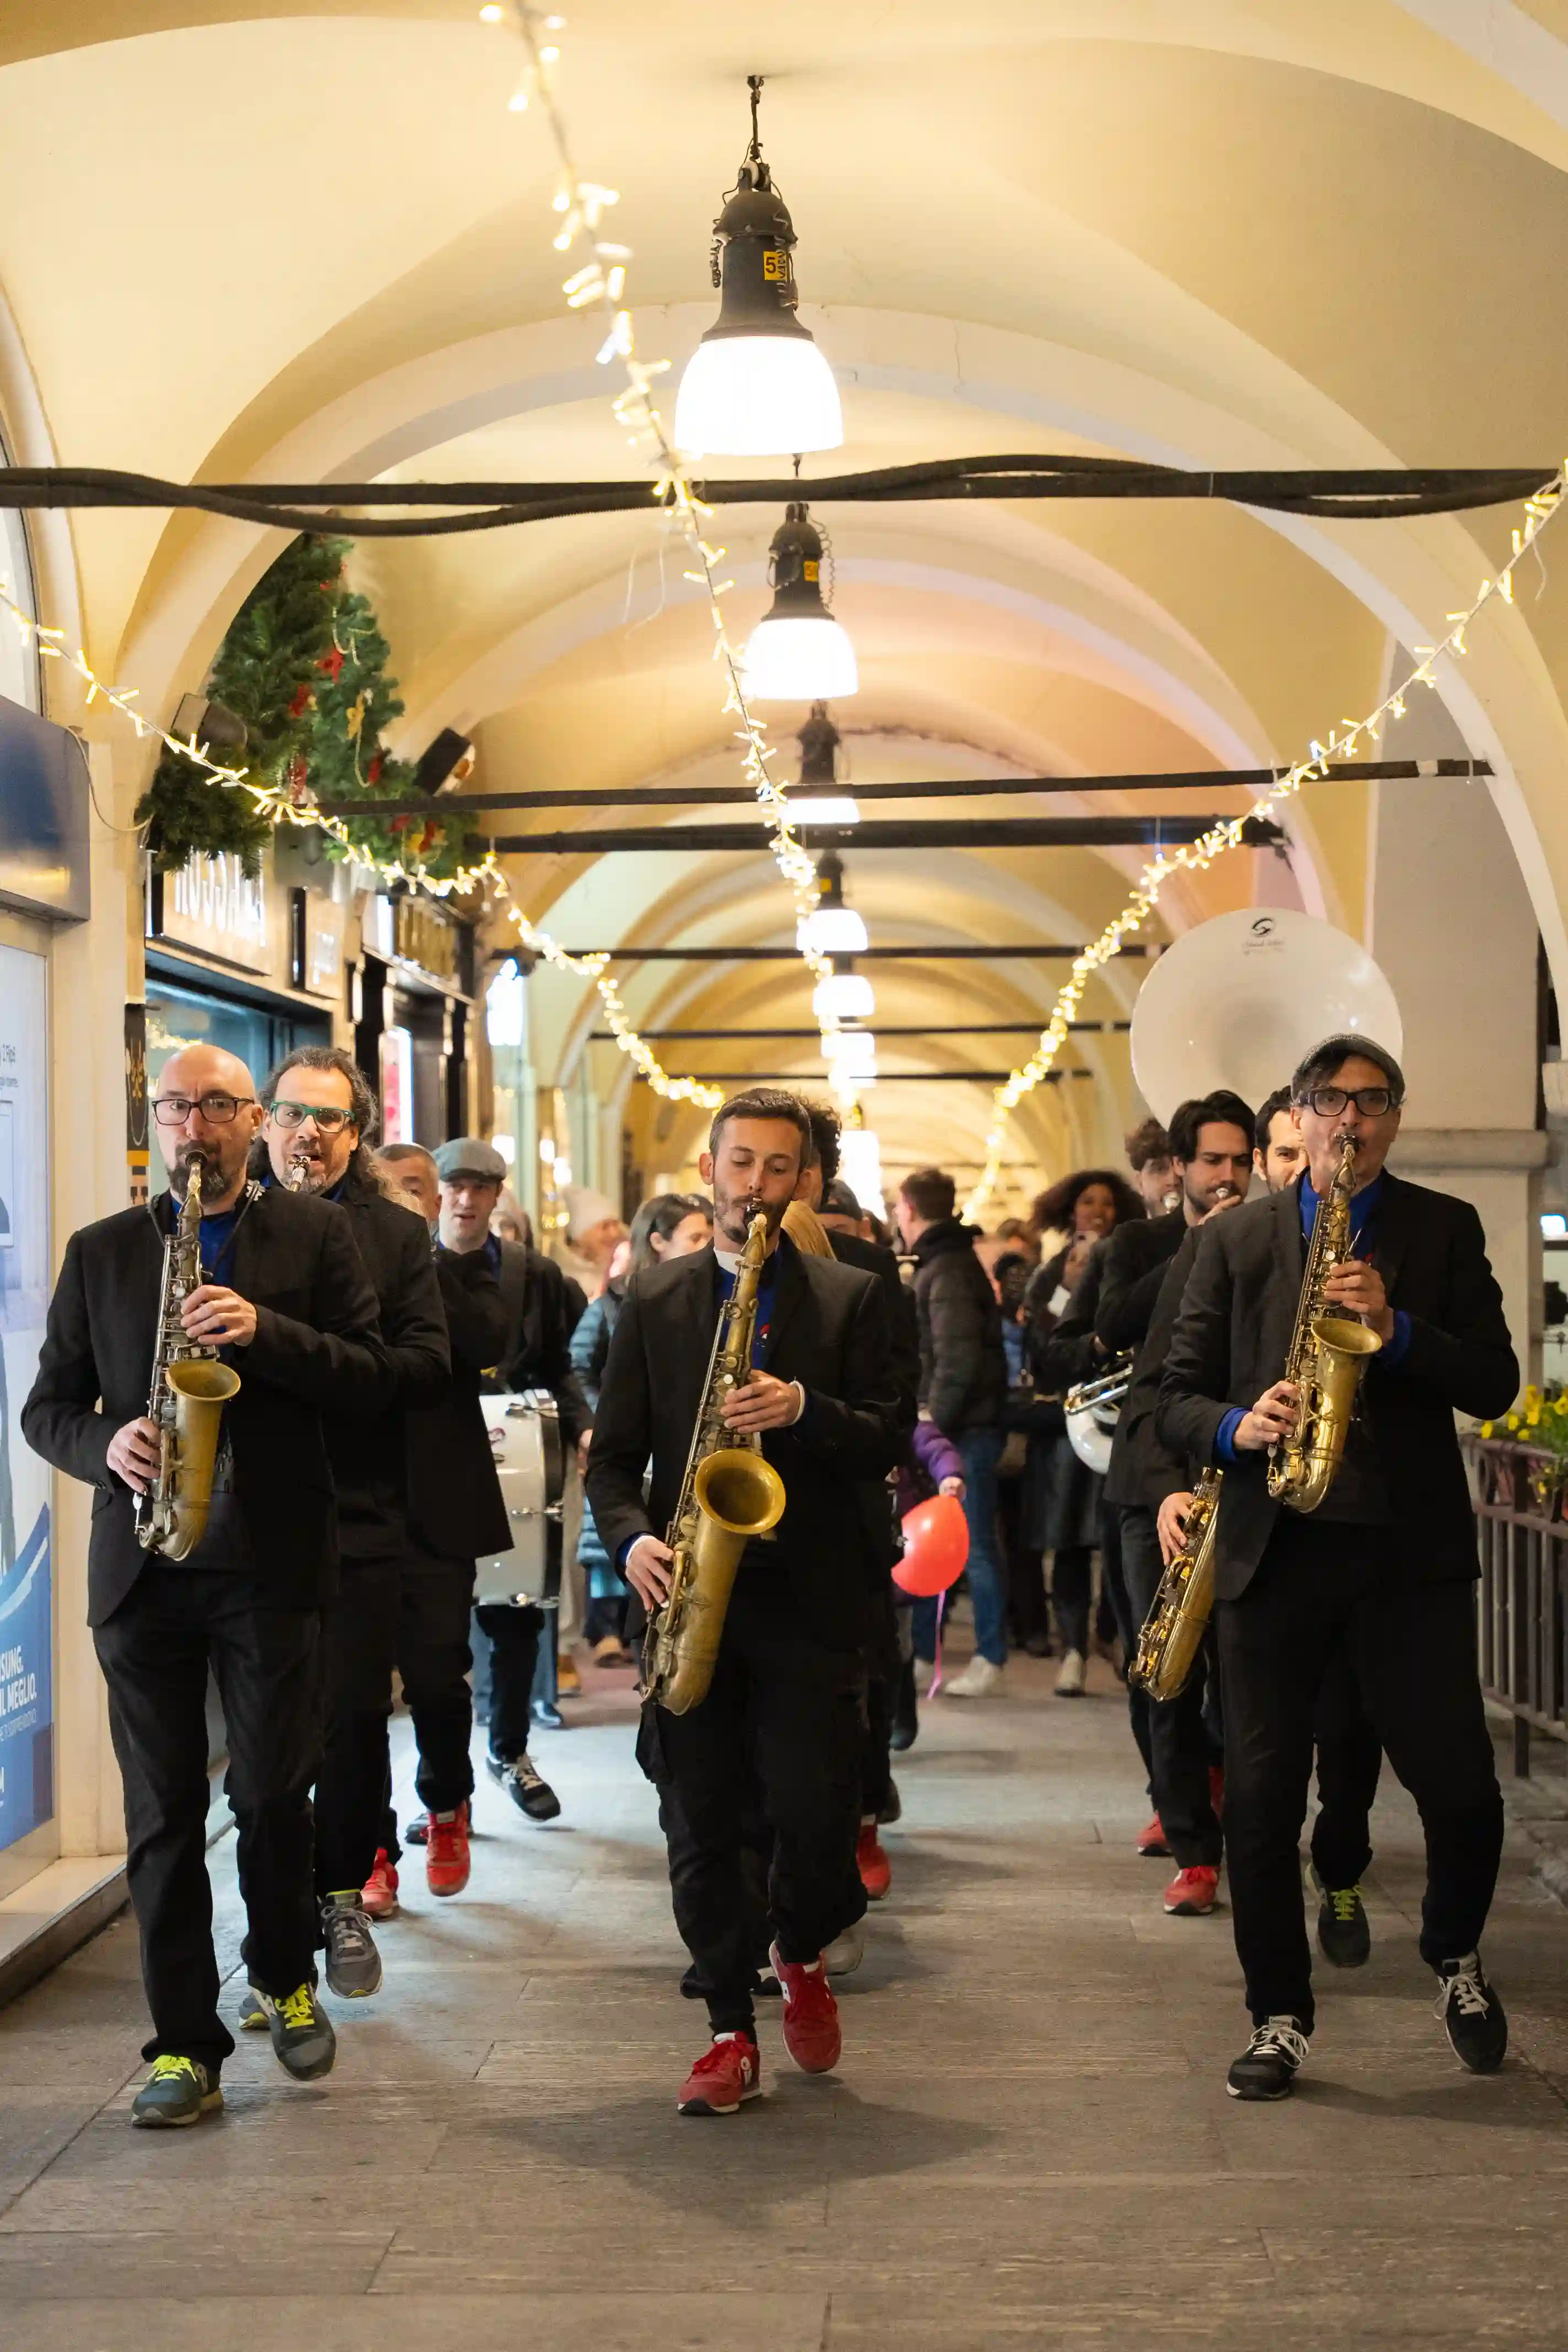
(1029,2144)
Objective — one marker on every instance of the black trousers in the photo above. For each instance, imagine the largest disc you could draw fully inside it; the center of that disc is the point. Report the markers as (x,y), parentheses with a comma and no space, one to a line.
(1320,1588)
(360,1649)
(1180,1751)
(1350,1759)
(1029,1613)
(432,1658)
(1072,1574)
(882,1666)
(782,1718)
(155,1651)
(513,1635)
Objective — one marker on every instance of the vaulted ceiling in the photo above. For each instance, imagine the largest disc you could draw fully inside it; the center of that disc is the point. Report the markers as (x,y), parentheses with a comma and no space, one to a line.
(308,242)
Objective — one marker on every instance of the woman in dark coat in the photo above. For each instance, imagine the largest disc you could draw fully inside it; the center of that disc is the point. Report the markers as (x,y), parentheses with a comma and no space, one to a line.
(1061,1504)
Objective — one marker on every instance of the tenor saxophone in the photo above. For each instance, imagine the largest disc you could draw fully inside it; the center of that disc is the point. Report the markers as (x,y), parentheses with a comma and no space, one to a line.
(729,1494)
(1329,1353)
(189,1390)
(1173,1628)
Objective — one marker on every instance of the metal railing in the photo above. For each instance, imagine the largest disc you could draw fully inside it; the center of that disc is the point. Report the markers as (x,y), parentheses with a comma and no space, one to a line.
(1522,1602)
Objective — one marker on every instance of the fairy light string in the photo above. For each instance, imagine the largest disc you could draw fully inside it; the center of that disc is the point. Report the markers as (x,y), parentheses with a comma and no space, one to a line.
(1342,742)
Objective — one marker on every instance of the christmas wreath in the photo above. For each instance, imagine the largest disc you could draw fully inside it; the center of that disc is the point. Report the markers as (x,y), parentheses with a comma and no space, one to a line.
(305,666)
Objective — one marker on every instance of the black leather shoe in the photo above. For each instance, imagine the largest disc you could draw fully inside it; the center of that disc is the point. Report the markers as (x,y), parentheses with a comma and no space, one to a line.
(547,1715)
(906,1726)
(892,1809)
(1266,2068)
(1344,1933)
(529,1790)
(1472,2015)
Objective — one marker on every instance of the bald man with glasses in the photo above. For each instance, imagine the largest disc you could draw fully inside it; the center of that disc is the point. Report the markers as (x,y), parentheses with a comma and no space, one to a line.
(287,1304)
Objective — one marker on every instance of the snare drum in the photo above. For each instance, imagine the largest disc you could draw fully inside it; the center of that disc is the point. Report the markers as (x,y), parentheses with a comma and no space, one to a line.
(525,1439)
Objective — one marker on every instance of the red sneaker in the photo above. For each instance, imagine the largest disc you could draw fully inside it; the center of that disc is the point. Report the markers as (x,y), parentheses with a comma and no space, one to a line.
(871,1861)
(1217,1789)
(1151,1840)
(447,1852)
(811,2029)
(379,1894)
(1191,1893)
(724,2076)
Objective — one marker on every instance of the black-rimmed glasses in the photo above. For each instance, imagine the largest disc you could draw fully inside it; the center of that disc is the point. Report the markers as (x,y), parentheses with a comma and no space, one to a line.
(1373,1102)
(218,1111)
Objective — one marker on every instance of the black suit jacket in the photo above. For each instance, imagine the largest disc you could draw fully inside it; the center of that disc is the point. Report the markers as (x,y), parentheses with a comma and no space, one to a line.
(316,1350)
(1143,1470)
(1233,1335)
(370,1450)
(454,1505)
(877,1496)
(1136,1256)
(829,1331)
(540,1323)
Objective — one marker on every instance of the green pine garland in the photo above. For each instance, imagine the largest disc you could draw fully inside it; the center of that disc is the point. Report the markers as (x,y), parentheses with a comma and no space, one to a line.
(305,666)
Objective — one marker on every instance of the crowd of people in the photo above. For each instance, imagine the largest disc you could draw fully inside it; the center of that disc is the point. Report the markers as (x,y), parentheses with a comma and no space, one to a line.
(355,1486)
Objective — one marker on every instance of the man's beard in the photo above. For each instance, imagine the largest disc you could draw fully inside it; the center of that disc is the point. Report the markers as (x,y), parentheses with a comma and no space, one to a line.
(734,1213)
(213,1178)
(314,1179)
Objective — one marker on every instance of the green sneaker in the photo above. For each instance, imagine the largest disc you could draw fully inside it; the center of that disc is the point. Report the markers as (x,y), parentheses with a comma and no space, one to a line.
(303,2042)
(253,2017)
(178,2091)
(1344,1933)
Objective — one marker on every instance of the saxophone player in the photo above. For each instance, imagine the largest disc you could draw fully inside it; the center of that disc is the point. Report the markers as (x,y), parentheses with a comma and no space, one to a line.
(1381,1569)
(783,1705)
(285,1300)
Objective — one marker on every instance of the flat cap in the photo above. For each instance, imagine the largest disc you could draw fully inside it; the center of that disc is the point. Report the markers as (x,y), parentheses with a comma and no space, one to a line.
(466,1155)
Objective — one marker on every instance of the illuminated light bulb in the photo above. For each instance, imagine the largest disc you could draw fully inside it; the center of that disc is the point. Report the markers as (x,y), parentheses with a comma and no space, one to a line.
(832,930)
(798,652)
(490,13)
(823,808)
(851,1055)
(549,56)
(518,103)
(756,385)
(844,996)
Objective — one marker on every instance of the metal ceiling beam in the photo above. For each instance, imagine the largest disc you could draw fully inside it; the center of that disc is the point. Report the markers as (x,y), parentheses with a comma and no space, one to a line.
(928,788)
(1011,951)
(887,1078)
(882,1028)
(937,833)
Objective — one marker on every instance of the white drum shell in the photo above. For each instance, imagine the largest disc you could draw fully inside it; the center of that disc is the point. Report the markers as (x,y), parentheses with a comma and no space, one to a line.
(525,1440)
(1090,1432)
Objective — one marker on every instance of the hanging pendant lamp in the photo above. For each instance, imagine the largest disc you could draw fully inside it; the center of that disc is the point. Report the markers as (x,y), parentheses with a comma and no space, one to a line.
(756,385)
(798,652)
(816,800)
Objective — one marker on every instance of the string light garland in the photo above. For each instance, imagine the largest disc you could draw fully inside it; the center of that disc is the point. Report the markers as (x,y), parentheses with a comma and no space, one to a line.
(1342,742)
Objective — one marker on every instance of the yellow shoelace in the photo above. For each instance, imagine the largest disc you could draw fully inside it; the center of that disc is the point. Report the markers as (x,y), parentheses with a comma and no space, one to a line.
(299,2007)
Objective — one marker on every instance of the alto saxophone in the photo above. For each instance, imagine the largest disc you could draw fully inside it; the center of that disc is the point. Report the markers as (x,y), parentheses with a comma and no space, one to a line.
(729,1494)
(1174,1629)
(1329,1353)
(189,1390)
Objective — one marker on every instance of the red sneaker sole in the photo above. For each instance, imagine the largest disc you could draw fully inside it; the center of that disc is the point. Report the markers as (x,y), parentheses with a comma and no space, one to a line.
(1189,1910)
(455,1889)
(706,2106)
(821,2061)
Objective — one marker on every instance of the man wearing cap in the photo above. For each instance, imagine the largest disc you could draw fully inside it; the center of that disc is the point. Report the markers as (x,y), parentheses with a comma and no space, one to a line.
(1382,1569)
(454,1510)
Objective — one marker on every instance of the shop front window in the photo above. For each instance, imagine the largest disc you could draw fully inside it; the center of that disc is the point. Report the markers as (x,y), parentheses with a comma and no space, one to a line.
(179,1016)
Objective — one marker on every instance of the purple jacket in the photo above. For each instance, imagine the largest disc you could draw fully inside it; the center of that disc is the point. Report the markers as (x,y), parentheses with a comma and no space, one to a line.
(932,1458)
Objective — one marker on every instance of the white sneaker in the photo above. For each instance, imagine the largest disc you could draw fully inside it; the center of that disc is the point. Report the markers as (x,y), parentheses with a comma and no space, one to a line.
(1069,1681)
(978,1680)
(846,1952)
(924,1669)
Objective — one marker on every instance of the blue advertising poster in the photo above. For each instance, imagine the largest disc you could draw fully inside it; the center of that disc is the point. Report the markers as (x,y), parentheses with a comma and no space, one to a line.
(27,1699)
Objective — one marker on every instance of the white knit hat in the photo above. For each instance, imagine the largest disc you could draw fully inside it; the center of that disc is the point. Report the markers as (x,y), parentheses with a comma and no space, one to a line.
(584,1210)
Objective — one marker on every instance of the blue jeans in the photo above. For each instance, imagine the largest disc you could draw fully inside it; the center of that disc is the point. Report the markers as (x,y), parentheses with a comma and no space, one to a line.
(982,1450)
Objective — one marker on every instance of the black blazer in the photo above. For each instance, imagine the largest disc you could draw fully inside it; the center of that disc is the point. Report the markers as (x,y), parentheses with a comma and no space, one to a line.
(454,1505)
(540,1323)
(876,1495)
(1136,1256)
(1233,1335)
(370,1450)
(829,1331)
(316,1350)
(1143,1470)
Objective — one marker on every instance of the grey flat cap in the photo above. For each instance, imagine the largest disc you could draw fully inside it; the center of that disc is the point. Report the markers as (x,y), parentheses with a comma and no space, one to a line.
(466,1155)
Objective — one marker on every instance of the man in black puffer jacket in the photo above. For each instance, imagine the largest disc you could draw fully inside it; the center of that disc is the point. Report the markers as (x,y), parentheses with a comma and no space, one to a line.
(963,1384)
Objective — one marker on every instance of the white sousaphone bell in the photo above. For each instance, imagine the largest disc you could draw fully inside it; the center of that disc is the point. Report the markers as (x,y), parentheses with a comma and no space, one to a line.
(1236,1003)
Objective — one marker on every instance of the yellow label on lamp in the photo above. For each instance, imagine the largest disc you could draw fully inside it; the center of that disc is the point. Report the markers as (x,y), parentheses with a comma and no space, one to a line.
(810,570)
(775,265)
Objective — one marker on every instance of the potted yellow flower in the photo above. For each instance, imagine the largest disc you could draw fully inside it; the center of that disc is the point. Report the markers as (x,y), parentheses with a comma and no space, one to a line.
(1538,1428)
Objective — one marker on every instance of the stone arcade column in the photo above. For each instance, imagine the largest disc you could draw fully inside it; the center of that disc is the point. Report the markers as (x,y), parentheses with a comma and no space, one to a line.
(1449,920)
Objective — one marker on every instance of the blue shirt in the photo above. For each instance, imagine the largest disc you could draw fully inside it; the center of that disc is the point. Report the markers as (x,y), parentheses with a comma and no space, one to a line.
(1363,1209)
(218,1246)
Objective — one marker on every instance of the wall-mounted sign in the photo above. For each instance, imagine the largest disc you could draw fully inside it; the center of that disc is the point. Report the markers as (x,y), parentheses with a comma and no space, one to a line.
(43,817)
(211,904)
(318,926)
(425,934)
(26,1701)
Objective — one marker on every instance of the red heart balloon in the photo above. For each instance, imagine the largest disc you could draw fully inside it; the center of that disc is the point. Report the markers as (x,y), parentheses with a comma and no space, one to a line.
(936,1544)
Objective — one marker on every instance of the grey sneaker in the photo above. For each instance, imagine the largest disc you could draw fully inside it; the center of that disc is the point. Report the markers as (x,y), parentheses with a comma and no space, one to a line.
(530,1791)
(354,1964)
(178,2091)
(303,2042)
